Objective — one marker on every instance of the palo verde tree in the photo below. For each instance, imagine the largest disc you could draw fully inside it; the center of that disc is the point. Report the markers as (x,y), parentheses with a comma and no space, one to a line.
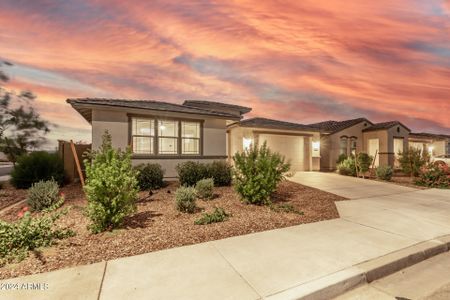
(21,127)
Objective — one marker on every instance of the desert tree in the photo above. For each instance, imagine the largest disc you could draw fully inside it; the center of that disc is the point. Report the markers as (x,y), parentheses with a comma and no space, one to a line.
(21,127)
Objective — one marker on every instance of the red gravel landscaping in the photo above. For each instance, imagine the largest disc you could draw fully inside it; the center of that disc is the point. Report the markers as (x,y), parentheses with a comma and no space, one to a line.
(158,225)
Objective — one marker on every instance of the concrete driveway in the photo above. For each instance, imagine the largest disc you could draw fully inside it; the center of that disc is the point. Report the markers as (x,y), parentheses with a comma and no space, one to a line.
(382,219)
(346,186)
(408,212)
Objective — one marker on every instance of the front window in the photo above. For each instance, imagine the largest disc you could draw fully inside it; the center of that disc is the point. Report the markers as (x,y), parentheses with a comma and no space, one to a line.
(353,146)
(143,131)
(165,137)
(343,145)
(190,137)
(168,137)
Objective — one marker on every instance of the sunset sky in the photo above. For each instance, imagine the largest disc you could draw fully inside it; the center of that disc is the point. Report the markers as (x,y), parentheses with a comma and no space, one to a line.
(301,61)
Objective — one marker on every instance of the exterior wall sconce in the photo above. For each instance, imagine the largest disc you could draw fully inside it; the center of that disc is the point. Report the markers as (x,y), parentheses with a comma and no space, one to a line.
(316,146)
(247,143)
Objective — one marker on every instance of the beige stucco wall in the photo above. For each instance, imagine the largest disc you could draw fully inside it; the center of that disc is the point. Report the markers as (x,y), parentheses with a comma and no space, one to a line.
(396,132)
(382,137)
(286,146)
(116,122)
(330,145)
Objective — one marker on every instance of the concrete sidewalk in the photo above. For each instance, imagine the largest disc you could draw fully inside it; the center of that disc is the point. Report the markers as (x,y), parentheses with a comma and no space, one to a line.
(278,264)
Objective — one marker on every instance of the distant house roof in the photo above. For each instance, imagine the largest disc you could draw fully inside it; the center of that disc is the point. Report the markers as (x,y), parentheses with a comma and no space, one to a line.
(273,124)
(429,135)
(335,126)
(385,125)
(83,106)
(217,106)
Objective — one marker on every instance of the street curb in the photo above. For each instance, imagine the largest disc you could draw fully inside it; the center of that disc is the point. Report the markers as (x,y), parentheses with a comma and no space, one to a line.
(335,284)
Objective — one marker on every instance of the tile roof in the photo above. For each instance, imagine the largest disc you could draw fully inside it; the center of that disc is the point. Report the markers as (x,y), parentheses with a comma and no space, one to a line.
(216,105)
(80,105)
(429,135)
(384,125)
(335,126)
(273,124)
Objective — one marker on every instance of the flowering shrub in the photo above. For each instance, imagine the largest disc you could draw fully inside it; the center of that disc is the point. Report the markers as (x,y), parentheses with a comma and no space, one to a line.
(434,175)
(28,233)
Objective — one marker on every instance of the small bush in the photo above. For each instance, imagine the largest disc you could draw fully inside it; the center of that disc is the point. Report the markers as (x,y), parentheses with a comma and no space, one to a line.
(219,215)
(185,199)
(285,207)
(150,176)
(43,194)
(111,186)
(190,172)
(341,158)
(28,233)
(434,175)
(364,161)
(258,171)
(221,172)
(35,167)
(204,188)
(384,173)
(347,167)
(411,161)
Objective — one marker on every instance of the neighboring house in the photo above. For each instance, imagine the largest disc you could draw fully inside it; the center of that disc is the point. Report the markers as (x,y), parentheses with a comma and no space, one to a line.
(433,144)
(204,131)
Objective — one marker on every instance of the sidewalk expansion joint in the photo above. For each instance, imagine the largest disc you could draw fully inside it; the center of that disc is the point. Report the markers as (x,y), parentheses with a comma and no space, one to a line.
(101,282)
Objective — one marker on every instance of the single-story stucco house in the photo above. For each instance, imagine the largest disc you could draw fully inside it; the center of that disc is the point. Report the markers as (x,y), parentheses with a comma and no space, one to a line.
(205,131)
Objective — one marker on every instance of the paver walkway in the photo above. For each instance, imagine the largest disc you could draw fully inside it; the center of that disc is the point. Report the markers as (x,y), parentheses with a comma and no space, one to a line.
(381,219)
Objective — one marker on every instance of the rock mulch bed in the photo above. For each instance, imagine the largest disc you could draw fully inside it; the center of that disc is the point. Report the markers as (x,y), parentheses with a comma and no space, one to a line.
(9,195)
(158,225)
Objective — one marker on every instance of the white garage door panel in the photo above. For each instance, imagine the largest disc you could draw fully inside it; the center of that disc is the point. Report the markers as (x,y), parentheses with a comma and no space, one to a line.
(289,146)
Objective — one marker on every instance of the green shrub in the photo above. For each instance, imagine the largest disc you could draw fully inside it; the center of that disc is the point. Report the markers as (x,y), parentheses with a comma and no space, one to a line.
(434,175)
(341,158)
(285,207)
(28,233)
(37,166)
(221,172)
(218,215)
(111,186)
(204,188)
(43,194)
(185,199)
(347,167)
(190,172)
(257,173)
(411,161)
(364,161)
(150,176)
(385,173)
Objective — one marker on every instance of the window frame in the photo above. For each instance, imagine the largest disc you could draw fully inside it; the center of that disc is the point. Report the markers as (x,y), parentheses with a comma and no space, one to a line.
(176,137)
(151,136)
(341,140)
(199,138)
(156,136)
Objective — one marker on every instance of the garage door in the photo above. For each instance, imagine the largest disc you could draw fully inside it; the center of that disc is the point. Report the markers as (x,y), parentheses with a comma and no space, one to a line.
(289,146)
